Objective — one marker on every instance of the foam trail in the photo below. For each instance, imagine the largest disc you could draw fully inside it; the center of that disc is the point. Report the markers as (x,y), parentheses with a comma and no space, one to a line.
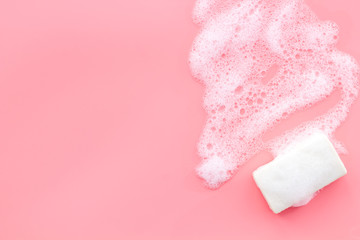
(261,60)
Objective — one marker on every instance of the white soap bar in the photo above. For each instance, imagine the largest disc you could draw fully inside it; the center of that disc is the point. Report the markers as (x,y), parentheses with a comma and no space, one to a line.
(294,176)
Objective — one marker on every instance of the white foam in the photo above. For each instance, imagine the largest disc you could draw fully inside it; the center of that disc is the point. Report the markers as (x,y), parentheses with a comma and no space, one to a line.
(239,42)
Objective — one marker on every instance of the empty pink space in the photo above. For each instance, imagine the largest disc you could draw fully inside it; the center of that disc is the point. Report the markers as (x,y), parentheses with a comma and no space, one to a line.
(99,122)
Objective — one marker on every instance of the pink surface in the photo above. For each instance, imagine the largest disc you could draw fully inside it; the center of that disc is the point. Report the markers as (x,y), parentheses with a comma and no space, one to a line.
(99,123)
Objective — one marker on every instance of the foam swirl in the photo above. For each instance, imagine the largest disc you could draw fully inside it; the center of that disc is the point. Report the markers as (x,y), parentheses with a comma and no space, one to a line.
(261,60)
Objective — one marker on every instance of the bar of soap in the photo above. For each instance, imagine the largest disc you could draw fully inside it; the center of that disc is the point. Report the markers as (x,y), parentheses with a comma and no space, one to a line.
(295,175)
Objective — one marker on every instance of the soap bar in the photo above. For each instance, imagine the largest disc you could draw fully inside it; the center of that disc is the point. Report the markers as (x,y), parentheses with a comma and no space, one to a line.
(295,175)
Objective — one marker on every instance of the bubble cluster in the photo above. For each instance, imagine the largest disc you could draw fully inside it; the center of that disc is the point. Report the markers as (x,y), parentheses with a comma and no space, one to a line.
(261,60)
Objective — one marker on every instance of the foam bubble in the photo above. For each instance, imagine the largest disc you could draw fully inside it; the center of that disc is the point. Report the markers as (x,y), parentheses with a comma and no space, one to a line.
(261,60)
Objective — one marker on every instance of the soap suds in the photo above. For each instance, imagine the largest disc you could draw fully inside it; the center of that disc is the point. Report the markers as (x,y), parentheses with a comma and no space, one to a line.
(260,61)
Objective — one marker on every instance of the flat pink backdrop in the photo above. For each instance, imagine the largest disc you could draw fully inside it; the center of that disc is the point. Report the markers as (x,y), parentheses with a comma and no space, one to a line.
(99,121)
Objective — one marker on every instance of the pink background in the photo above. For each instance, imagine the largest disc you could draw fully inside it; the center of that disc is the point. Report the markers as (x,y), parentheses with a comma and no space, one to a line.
(99,121)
